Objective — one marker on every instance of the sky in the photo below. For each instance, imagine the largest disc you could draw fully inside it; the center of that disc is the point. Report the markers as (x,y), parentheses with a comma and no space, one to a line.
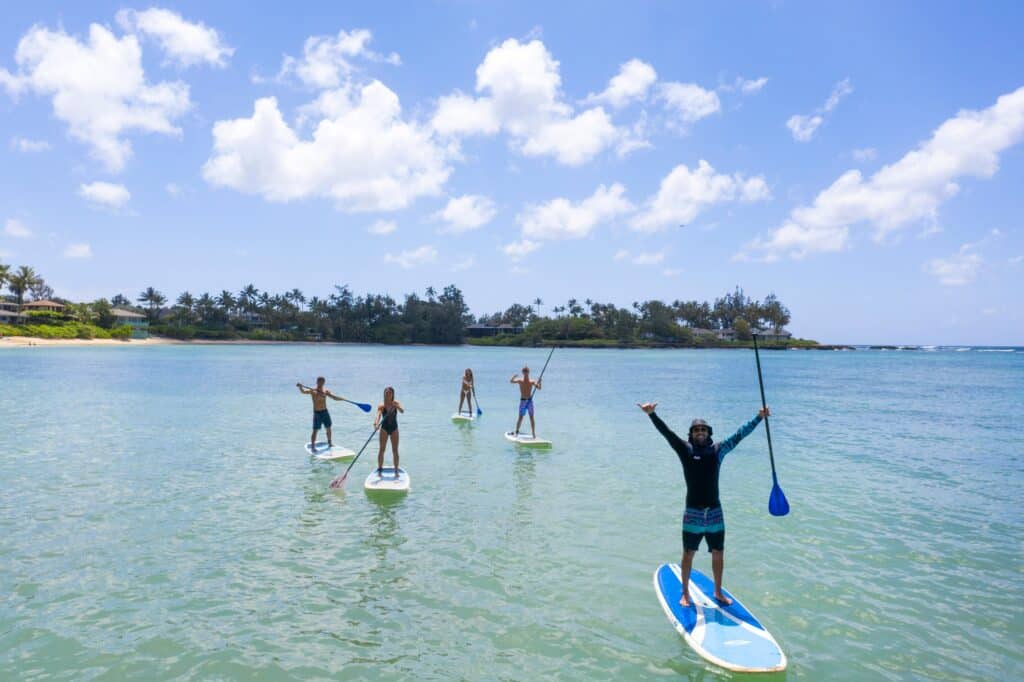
(862,161)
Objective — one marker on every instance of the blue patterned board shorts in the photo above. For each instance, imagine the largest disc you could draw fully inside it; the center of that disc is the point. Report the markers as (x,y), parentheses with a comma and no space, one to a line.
(525,405)
(698,524)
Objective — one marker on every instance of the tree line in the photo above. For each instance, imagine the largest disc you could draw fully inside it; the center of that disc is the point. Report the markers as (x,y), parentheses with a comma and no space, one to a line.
(436,317)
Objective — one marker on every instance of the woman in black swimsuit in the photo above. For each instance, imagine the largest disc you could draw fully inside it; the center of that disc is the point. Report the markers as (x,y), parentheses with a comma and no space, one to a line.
(387,422)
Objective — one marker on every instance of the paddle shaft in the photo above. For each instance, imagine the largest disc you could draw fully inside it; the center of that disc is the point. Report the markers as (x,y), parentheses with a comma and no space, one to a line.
(336,483)
(543,369)
(362,406)
(767,429)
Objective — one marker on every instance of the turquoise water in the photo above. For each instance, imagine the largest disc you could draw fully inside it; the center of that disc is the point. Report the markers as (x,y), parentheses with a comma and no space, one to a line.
(159,517)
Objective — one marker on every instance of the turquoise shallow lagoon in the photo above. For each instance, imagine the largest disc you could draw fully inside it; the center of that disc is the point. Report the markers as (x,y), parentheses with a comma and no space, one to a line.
(159,517)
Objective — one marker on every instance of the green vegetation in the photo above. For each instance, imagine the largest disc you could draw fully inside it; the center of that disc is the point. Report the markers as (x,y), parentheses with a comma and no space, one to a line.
(67,330)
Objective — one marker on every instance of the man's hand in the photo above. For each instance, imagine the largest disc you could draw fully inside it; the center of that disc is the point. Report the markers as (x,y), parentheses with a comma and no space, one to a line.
(648,408)
(763,412)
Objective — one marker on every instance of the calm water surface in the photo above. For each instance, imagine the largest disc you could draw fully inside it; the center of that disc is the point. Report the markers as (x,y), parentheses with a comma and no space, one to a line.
(159,517)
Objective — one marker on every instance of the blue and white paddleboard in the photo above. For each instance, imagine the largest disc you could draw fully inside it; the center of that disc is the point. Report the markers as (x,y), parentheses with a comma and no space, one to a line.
(322,451)
(728,636)
(385,480)
(527,440)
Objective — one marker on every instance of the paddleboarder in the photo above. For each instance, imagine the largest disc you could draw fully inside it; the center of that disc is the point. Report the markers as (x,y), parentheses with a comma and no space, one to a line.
(702,458)
(387,422)
(321,417)
(527,386)
(466,392)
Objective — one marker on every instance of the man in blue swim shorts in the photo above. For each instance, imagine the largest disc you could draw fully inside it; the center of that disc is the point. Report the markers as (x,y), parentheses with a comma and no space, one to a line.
(702,458)
(527,387)
(321,417)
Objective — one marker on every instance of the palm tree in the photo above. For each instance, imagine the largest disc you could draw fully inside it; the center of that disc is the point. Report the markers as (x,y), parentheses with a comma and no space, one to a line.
(431,293)
(153,299)
(296,297)
(21,281)
(247,297)
(227,301)
(5,273)
(537,302)
(185,304)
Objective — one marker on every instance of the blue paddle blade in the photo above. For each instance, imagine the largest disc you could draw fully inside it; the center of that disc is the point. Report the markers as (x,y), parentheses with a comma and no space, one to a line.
(363,406)
(777,504)
(479,412)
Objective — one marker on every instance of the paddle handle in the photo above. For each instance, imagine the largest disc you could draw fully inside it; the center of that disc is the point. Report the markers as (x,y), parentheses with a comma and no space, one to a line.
(767,428)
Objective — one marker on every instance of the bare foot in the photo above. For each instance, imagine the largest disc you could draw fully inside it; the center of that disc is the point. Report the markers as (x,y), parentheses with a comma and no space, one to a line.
(722,599)
(685,601)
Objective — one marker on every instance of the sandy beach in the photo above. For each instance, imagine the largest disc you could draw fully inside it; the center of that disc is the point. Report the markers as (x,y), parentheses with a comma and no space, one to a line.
(23,341)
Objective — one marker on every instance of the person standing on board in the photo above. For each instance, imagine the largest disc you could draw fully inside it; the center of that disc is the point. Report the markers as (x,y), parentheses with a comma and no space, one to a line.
(466,392)
(387,422)
(526,389)
(702,458)
(321,417)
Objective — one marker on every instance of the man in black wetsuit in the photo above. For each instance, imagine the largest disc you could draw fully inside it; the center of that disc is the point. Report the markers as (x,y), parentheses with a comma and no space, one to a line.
(702,459)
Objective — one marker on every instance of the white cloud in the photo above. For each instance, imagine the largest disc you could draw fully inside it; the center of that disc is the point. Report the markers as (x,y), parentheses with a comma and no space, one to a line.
(382,227)
(520,249)
(25,145)
(958,269)
(105,194)
(748,87)
(466,213)
(327,61)
(672,272)
(1016,260)
(561,219)
(173,189)
(905,192)
(366,158)
(78,251)
(683,194)
(633,138)
(688,102)
(866,154)
(15,228)
(98,88)
(654,258)
(185,42)
(410,259)
(520,93)
(631,84)
(804,127)
(464,264)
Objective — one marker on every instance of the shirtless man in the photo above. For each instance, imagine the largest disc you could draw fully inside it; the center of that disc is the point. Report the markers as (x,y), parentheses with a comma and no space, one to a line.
(527,387)
(321,417)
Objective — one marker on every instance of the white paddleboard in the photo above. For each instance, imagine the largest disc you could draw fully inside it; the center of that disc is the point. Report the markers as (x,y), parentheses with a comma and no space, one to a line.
(527,440)
(728,636)
(463,417)
(329,453)
(387,481)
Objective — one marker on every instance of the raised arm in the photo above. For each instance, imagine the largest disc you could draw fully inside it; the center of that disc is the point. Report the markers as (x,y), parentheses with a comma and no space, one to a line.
(514,379)
(675,441)
(732,441)
(303,389)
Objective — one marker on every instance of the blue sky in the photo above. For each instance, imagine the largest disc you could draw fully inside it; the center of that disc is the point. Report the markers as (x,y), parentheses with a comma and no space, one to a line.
(863,162)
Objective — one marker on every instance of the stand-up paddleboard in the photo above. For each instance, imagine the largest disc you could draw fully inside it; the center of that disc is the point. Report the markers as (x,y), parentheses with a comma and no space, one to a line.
(386,480)
(322,451)
(527,440)
(728,636)
(463,417)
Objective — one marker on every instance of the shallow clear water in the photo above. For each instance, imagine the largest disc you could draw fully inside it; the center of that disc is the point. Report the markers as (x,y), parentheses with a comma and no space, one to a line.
(159,517)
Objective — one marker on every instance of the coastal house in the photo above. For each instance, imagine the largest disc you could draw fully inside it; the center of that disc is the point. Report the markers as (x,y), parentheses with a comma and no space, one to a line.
(43,306)
(480,330)
(772,334)
(138,322)
(9,313)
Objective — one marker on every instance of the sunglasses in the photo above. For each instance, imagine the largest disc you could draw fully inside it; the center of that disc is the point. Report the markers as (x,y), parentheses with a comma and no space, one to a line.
(700,429)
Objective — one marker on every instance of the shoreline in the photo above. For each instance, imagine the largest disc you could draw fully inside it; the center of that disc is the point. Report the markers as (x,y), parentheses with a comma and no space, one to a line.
(32,342)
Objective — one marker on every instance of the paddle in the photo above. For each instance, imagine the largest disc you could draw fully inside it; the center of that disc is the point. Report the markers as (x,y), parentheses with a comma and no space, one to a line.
(479,412)
(777,504)
(543,369)
(340,480)
(362,406)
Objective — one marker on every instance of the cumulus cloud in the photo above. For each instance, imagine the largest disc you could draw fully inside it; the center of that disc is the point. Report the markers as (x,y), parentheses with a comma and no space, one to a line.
(866,154)
(328,61)
(410,259)
(365,157)
(562,219)
(905,192)
(78,251)
(519,90)
(520,249)
(97,88)
(184,42)
(631,84)
(464,264)
(748,87)
(105,194)
(15,228)
(651,258)
(684,193)
(958,269)
(466,213)
(382,227)
(688,102)
(803,127)
(25,145)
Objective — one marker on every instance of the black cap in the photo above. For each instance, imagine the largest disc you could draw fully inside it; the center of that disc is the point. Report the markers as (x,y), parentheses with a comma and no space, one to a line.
(700,422)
